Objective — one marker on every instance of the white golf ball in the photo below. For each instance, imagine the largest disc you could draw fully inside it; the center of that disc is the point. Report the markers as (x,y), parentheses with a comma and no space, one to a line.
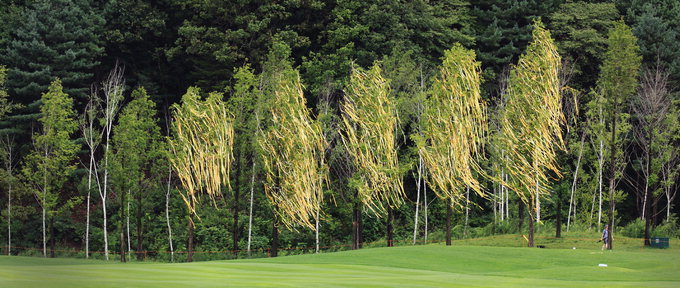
(573,248)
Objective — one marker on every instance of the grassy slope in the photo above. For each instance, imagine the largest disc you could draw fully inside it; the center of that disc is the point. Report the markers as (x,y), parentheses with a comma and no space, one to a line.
(425,266)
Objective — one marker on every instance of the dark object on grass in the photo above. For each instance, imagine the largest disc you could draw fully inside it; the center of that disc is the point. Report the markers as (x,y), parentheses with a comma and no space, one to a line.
(659,242)
(541,246)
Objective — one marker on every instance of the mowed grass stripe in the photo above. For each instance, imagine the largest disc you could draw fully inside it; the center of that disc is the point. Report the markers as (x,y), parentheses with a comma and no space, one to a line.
(409,266)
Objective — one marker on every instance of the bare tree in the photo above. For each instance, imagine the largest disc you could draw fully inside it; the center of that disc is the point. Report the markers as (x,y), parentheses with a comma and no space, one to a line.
(92,136)
(654,133)
(113,88)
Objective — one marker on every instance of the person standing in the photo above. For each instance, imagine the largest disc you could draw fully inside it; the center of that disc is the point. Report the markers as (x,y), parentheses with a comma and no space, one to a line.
(605,237)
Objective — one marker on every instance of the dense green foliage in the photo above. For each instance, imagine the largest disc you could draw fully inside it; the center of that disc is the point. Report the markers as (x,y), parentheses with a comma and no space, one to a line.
(381,55)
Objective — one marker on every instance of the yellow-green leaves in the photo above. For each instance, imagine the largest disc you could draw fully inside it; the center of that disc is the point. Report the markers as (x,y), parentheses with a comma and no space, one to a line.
(370,122)
(292,153)
(202,145)
(532,118)
(454,126)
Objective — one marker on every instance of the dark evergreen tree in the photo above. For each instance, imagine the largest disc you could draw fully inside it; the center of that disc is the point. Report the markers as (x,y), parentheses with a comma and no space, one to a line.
(503,30)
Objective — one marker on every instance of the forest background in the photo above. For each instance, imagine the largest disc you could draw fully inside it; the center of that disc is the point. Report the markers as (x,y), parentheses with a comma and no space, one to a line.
(95,175)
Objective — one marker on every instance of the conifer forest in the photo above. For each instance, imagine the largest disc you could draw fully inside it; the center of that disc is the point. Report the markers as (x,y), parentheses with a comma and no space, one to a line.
(187,130)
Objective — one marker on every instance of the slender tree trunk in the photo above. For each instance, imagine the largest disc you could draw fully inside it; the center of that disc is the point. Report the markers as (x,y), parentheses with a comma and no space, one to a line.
(316,231)
(449,216)
(190,240)
(9,217)
(390,228)
(558,216)
(140,229)
(520,213)
(467,211)
(122,227)
(250,213)
(127,222)
(234,227)
(52,240)
(44,202)
(425,209)
(599,184)
(573,183)
(647,218)
(87,219)
(275,236)
(356,226)
(104,195)
(415,219)
(612,172)
(531,226)
(167,215)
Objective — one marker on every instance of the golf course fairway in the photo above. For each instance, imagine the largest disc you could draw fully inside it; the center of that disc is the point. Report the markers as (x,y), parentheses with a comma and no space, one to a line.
(408,266)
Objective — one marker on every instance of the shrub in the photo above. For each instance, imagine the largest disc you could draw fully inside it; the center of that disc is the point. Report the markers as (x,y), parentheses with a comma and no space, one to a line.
(634,229)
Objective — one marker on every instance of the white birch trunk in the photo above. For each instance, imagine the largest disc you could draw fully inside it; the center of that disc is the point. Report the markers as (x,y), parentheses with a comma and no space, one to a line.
(573,184)
(415,220)
(599,184)
(250,214)
(127,224)
(167,215)
(425,208)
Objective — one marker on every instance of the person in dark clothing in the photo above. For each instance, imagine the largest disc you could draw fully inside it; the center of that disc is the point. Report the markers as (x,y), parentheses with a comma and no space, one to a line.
(605,237)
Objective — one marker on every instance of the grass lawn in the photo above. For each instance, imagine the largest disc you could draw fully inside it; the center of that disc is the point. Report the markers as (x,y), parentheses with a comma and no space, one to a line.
(433,265)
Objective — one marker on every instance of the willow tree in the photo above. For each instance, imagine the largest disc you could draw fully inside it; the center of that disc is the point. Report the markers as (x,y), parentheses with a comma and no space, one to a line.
(292,151)
(453,129)
(531,122)
(201,150)
(370,126)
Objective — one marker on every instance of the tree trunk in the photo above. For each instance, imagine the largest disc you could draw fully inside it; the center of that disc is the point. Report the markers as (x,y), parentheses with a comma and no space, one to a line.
(425,209)
(530,243)
(190,240)
(234,227)
(415,219)
(250,213)
(275,236)
(558,217)
(467,211)
(648,218)
(9,217)
(43,227)
(316,230)
(87,219)
(449,215)
(520,213)
(127,222)
(167,215)
(140,237)
(106,238)
(573,184)
(390,228)
(52,240)
(122,227)
(356,226)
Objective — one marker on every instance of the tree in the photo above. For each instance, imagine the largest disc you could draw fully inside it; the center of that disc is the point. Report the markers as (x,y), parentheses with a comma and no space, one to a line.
(655,133)
(370,125)
(656,26)
(243,101)
(202,145)
(453,127)
(137,147)
(364,32)
(112,88)
(92,135)
(49,165)
(54,39)
(7,154)
(502,31)
(531,122)
(580,32)
(617,83)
